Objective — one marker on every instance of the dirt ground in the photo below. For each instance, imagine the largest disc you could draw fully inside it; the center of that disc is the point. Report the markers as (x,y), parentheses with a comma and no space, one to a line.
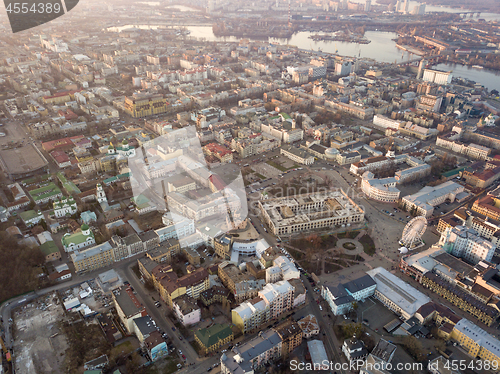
(38,346)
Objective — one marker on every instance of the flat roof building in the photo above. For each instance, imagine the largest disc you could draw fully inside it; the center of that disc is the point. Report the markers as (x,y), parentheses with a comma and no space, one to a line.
(287,215)
(396,294)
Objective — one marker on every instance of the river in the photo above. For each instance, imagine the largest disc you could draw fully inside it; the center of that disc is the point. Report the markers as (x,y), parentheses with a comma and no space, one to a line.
(382,48)
(434,8)
(488,78)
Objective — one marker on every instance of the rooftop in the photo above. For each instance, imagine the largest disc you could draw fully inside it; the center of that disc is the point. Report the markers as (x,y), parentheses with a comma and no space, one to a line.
(214,333)
(398,291)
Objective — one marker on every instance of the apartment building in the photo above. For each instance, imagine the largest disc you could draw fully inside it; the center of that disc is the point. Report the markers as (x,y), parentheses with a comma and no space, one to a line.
(279,296)
(186,310)
(164,252)
(215,294)
(170,286)
(291,336)
(126,247)
(488,205)
(223,154)
(458,296)
(477,342)
(92,258)
(145,105)
(464,242)
(251,314)
(250,356)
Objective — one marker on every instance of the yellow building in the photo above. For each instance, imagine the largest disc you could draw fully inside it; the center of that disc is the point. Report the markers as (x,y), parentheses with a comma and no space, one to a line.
(93,258)
(214,337)
(165,251)
(170,286)
(478,343)
(456,295)
(143,105)
(107,163)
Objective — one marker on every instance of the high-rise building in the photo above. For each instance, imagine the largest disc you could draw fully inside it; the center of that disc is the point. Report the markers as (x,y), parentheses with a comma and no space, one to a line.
(368,4)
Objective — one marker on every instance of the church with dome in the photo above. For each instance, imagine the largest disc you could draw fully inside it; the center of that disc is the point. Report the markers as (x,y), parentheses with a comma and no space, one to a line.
(123,150)
(78,240)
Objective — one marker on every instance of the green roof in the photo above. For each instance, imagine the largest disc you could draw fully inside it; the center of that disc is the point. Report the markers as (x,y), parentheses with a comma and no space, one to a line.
(29,214)
(140,201)
(109,180)
(33,180)
(75,238)
(213,334)
(450,173)
(49,247)
(69,186)
(45,192)
(59,204)
(124,175)
(285,116)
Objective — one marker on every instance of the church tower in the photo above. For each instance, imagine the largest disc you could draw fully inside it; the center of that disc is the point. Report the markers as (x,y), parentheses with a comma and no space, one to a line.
(100,195)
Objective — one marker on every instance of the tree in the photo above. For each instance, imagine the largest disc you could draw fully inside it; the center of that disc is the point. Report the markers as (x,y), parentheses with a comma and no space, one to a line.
(352,329)
(413,346)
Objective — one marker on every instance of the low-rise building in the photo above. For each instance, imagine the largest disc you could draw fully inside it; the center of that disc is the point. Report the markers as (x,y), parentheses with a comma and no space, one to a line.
(354,350)
(396,294)
(128,307)
(341,297)
(186,310)
(31,217)
(212,338)
(78,240)
(298,155)
(309,326)
(143,327)
(65,207)
(424,201)
(156,346)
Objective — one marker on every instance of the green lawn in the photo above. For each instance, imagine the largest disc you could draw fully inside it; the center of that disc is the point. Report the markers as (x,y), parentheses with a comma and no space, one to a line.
(368,244)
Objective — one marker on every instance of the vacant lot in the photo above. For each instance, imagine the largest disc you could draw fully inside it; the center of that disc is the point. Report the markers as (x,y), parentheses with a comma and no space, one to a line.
(39,344)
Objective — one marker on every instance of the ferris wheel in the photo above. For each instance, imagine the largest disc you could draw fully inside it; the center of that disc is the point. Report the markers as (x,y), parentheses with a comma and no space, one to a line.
(413,231)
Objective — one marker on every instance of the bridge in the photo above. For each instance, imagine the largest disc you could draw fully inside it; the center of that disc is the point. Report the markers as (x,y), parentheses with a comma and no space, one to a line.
(411,61)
